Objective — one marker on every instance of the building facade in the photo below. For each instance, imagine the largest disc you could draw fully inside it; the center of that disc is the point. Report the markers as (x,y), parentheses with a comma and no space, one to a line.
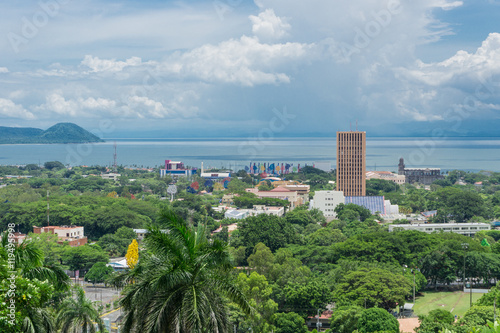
(351,163)
(279,193)
(467,229)
(327,201)
(425,176)
(73,235)
(386,175)
(176,169)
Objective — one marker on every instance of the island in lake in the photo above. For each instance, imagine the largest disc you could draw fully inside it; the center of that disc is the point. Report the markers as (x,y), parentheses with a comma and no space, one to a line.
(59,133)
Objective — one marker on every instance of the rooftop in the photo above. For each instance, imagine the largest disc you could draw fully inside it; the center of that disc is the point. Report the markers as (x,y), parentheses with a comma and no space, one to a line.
(59,227)
(280,189)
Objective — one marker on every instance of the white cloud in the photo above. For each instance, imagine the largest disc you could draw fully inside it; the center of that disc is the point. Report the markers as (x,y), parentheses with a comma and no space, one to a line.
(110,65)
(96,104)
(244,61)
(151,107)
(187,63)
(4,70)
(12,110)
(445,5)
(478,66)
(268,26)
(56,103)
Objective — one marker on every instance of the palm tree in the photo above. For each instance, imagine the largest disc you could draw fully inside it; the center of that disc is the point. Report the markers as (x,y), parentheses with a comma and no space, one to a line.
(78,314)
(28,264)
(181,283)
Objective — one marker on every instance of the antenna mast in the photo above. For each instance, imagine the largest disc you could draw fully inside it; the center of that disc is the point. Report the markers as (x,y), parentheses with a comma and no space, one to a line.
(114,158)
(48,209)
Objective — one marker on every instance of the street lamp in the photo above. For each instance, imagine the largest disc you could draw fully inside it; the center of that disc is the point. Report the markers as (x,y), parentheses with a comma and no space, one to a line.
(318,323)
(413,271)
(464,247)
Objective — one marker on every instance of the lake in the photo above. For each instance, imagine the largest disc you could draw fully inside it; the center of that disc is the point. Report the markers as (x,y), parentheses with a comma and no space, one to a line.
(382,153)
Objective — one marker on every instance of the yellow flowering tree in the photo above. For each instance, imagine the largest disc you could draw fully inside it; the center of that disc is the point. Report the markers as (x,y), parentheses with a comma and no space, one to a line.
(112,195)
(132,255)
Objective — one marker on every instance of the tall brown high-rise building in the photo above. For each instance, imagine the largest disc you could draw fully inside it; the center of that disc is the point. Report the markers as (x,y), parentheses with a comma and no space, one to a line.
(351,163)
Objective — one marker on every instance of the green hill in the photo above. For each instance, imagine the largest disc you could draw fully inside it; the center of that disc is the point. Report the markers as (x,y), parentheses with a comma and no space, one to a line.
(59,133)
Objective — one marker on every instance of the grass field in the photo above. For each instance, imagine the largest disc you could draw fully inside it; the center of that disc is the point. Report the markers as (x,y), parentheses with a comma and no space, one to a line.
(457,302)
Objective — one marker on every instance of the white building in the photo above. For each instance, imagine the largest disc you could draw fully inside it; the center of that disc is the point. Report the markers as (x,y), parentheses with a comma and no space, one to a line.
(256,210)
(141,233)
(391,209)
(386,175)
(112,176)
(467,229)
(326,201)
(238,214)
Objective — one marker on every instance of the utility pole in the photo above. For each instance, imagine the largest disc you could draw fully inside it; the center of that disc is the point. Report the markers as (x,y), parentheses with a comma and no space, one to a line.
(470,278)
(413,286)
(48,221)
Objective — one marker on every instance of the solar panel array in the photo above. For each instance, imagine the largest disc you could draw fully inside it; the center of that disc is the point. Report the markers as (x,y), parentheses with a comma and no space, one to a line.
(374,204)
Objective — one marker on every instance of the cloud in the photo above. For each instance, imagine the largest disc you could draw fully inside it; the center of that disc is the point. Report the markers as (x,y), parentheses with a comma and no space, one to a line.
(4,70)
(190,64)
(151,107)
(445,5)
(9,109)
(56,103)
(243,61)
(110,65)
(484,63)
(268,26)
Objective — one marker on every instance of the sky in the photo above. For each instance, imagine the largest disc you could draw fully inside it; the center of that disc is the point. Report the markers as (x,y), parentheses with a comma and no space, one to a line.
(263,68)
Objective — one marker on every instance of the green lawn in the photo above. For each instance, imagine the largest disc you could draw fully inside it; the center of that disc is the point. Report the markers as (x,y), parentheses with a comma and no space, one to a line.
(457,302)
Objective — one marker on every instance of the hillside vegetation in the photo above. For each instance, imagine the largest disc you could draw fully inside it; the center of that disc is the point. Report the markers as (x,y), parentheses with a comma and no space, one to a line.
(59,133)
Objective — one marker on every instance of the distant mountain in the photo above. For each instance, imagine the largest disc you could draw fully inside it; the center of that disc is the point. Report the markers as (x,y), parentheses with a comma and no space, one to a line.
(59,133)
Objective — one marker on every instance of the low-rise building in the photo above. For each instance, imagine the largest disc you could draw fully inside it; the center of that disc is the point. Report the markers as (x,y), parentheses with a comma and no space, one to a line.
(238,214)
(320,322)
(425,176)
(326,202)
(279,193)
(227,199)
(386,175)
(176,169)
(73,235)
(467,229)
(141,233)
(111,176)
(17,237)
(215,175)
(256,210)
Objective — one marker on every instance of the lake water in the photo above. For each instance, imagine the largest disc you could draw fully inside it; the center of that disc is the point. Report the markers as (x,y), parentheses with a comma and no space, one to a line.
(382,153)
